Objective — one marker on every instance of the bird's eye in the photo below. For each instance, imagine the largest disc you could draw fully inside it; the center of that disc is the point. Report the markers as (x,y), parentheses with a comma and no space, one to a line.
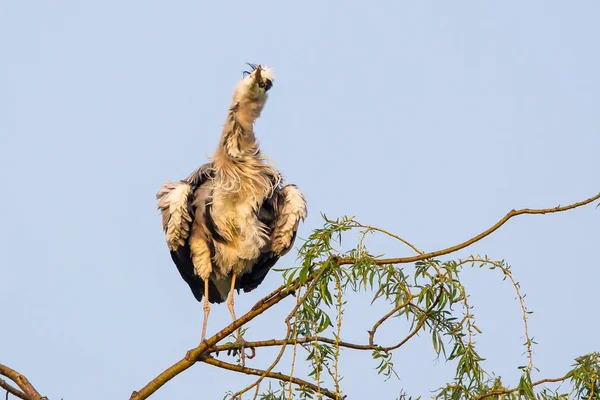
(268,84)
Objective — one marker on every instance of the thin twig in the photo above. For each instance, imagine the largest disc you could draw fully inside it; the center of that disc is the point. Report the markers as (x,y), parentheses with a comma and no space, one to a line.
(511,214)
(386,317)
(282,292)
(275,297)
(259,372)
(340,312)
(289,342)
(316,361)
(375,229)
(528,340)
(509,391)
(12,390)
(421,323)
(309,290)
(295,349)
(521,298)
(22,382)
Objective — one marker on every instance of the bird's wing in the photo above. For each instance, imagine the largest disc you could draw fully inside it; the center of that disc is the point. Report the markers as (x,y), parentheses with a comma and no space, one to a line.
(181,203)
(281,214)
(201,175)
(292,209)
(252,279)
(174,205)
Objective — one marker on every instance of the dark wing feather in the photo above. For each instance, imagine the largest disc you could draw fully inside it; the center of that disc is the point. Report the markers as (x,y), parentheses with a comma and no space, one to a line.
(280,214)
(267,214)
(252,279)
(183,261)
(182,257)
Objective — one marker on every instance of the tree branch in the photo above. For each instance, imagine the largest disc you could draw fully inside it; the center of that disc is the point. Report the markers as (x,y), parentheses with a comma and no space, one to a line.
(385,318)
(513,213)
(259,372)
(309,289)
(509,391)
(12,390)
(201,352)
(289,342)
(420,324)
(21,381)
(193,355)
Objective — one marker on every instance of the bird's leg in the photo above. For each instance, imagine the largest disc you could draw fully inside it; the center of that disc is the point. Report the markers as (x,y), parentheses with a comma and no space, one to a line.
(206,310)
(240,340)
(232,312)
(230,297)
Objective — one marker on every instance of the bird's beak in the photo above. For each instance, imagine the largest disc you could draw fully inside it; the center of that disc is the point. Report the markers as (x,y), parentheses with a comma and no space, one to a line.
(257,75)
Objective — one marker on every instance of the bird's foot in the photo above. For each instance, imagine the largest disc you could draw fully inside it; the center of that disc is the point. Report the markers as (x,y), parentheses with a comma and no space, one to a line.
(240,346)
(208,348)
(191,358)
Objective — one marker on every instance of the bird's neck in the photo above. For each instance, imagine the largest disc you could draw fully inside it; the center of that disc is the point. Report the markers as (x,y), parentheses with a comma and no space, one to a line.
(238,141)
(239,164)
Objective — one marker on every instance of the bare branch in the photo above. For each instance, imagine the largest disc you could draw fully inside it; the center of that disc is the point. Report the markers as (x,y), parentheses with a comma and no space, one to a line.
(509,391)
(421,323)
(289,342)
(513,213)
(12,390)
(520,297)
(193,355)
(370,228)
(259,372)
(201,352)
(22,382)
(299,302)
(386,317)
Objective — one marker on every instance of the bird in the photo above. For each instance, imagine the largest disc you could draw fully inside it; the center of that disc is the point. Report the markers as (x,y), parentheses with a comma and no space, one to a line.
(232,219)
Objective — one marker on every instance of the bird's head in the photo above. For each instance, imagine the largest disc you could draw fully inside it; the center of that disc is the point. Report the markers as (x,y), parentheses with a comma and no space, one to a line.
(255,84)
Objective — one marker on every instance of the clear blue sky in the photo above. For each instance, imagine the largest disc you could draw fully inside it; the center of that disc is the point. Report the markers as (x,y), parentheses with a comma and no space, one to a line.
(430,119)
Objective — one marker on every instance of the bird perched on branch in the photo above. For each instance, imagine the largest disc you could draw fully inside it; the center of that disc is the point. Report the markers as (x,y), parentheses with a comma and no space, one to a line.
(230,221)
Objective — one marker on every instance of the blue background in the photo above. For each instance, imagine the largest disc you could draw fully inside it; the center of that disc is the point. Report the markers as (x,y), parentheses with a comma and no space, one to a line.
(430,119)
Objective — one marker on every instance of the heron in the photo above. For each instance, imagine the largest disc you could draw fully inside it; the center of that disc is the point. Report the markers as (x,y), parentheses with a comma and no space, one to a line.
(229,221)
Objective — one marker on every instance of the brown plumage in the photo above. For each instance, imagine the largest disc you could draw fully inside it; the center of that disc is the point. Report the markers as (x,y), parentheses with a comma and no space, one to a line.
(230,221)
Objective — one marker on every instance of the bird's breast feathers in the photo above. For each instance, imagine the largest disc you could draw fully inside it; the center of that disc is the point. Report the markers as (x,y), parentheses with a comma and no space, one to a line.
(245,236)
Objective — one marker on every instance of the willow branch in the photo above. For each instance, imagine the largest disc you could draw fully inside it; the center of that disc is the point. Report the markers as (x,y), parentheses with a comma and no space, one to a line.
(386,317)
(12,390)
(509,391)
(299,302)
(421,322)
(193,355)
(291,342)
(271,374)
(507,273)
(283,291)
(370,228)
(22,382)
(511,214)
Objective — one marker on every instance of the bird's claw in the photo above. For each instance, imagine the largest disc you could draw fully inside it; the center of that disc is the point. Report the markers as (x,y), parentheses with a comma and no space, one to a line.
(208,348)
(240,346)
(190,358)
